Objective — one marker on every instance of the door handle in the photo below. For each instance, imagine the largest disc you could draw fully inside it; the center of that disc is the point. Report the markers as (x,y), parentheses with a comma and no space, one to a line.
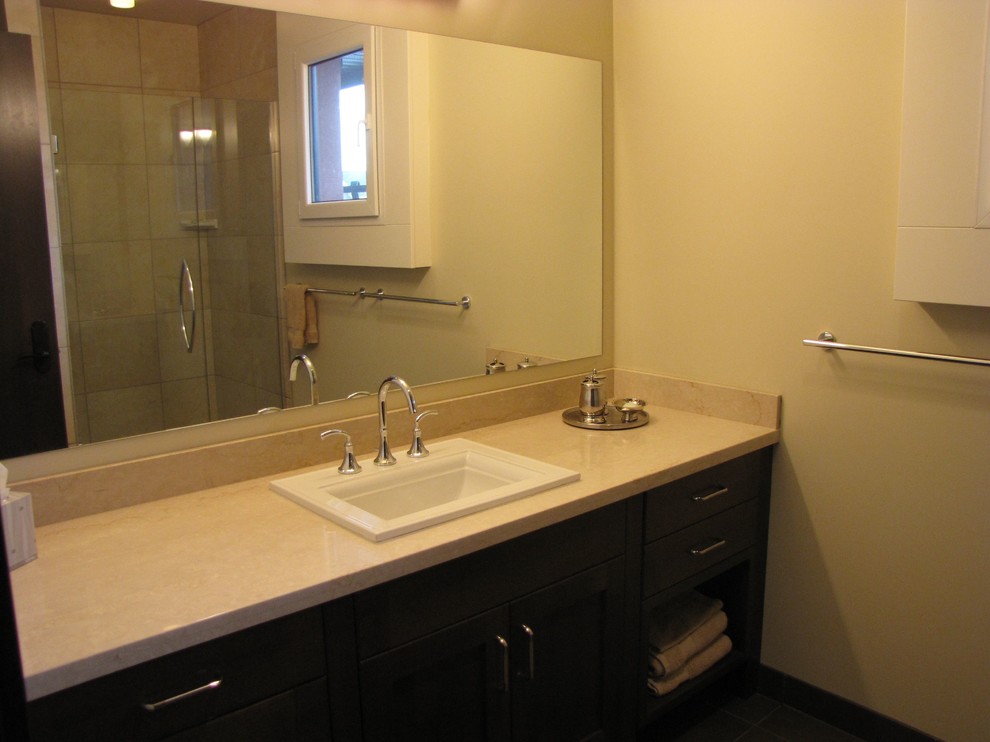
(186,285)
(529,672)
(503,650)
(41,354)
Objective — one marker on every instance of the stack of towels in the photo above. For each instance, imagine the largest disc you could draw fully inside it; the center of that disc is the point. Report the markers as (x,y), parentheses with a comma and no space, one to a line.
(686,638)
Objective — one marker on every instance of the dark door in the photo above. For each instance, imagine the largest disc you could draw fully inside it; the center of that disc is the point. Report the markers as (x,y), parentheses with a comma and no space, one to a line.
(567,658)
(31,410)
(452,685)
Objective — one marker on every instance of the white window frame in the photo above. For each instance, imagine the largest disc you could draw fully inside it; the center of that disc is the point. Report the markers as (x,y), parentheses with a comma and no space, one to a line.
(337,44)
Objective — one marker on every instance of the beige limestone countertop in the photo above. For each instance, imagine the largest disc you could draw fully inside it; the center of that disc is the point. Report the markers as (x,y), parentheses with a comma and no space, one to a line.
(114,589)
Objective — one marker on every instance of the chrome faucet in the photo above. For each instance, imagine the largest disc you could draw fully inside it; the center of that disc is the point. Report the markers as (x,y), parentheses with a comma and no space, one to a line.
(385,457)
(314,390)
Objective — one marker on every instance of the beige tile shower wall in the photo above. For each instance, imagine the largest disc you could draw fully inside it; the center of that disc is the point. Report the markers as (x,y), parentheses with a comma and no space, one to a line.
(238,62)
(238,55)
(112,111)
(169,56)
(116,112)
(78,33)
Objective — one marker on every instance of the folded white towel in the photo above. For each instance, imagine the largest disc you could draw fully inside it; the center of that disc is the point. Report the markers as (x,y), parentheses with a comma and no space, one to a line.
(672,622)
(675,657)
(700,662)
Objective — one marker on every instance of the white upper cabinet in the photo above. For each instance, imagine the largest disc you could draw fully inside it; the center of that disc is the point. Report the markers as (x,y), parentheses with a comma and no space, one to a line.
(359,196)
(943,232)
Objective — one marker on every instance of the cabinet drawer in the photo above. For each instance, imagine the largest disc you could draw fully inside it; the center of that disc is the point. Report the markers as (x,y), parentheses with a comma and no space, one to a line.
(300,715)
(679,504)
(251,665)
(682,554)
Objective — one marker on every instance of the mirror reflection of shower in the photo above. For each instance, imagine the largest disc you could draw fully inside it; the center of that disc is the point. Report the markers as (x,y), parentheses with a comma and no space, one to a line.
(193,142)
(166,202)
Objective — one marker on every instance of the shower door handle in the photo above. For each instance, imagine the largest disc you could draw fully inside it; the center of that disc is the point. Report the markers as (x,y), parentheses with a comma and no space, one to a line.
(186,286)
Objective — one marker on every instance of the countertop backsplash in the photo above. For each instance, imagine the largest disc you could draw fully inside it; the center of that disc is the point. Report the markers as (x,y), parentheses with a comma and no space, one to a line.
(75,494)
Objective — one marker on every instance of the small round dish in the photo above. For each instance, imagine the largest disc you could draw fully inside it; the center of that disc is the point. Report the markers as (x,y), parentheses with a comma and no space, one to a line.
(629,408)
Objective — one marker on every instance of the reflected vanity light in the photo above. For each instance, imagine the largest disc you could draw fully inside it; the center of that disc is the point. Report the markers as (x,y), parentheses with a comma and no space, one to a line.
(122,3)
(202,136)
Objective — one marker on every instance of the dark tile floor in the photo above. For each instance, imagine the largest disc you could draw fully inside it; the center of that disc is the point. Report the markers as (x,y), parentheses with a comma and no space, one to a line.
(755,719)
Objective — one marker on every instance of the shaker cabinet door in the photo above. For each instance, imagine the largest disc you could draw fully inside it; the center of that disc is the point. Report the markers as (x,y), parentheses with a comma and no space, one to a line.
(451,685)
(567,657)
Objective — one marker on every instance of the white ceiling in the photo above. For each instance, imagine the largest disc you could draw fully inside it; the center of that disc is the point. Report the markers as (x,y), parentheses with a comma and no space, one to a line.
(192,12)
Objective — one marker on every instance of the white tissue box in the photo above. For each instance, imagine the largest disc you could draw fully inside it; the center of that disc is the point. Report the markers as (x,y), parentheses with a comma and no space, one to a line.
(18,529)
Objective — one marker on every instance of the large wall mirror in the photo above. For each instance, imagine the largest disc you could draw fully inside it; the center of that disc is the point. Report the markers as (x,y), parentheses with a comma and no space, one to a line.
(170,174)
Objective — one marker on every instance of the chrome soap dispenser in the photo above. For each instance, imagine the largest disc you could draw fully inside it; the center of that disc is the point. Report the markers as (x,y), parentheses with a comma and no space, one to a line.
(592,402)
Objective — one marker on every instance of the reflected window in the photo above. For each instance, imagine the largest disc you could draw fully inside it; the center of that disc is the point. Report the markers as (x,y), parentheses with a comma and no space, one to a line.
(339,153)
(338,126)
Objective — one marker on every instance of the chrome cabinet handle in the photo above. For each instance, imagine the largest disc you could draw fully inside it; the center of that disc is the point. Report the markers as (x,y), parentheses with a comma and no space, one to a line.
(702,550)
(185,277)
(212,685)
(710,493)
(530,673)
(503,646)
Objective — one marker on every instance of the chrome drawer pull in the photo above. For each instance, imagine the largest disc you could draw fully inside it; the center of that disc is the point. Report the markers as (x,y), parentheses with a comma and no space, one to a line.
(504,650)
(212,685)
(702,550)
(711,494)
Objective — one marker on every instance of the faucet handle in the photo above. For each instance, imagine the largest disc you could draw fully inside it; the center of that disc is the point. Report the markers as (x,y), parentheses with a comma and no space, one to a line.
(417,450)
(349,465)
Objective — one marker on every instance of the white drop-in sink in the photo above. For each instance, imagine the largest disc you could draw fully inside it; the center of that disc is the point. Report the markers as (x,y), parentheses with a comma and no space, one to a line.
(458,477)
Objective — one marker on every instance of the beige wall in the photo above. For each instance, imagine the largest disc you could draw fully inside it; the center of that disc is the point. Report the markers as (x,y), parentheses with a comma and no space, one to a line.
(756,194)
(581,28)
(502,231)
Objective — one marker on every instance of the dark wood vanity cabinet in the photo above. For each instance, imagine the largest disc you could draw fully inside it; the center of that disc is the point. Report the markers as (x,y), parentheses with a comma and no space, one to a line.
(537,654)
(541,668)
(538,669)
(543,637)
(708,532)
(262,683)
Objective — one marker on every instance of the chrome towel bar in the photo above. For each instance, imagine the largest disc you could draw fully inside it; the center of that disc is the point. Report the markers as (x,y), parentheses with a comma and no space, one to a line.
(464,302)
(827,340)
